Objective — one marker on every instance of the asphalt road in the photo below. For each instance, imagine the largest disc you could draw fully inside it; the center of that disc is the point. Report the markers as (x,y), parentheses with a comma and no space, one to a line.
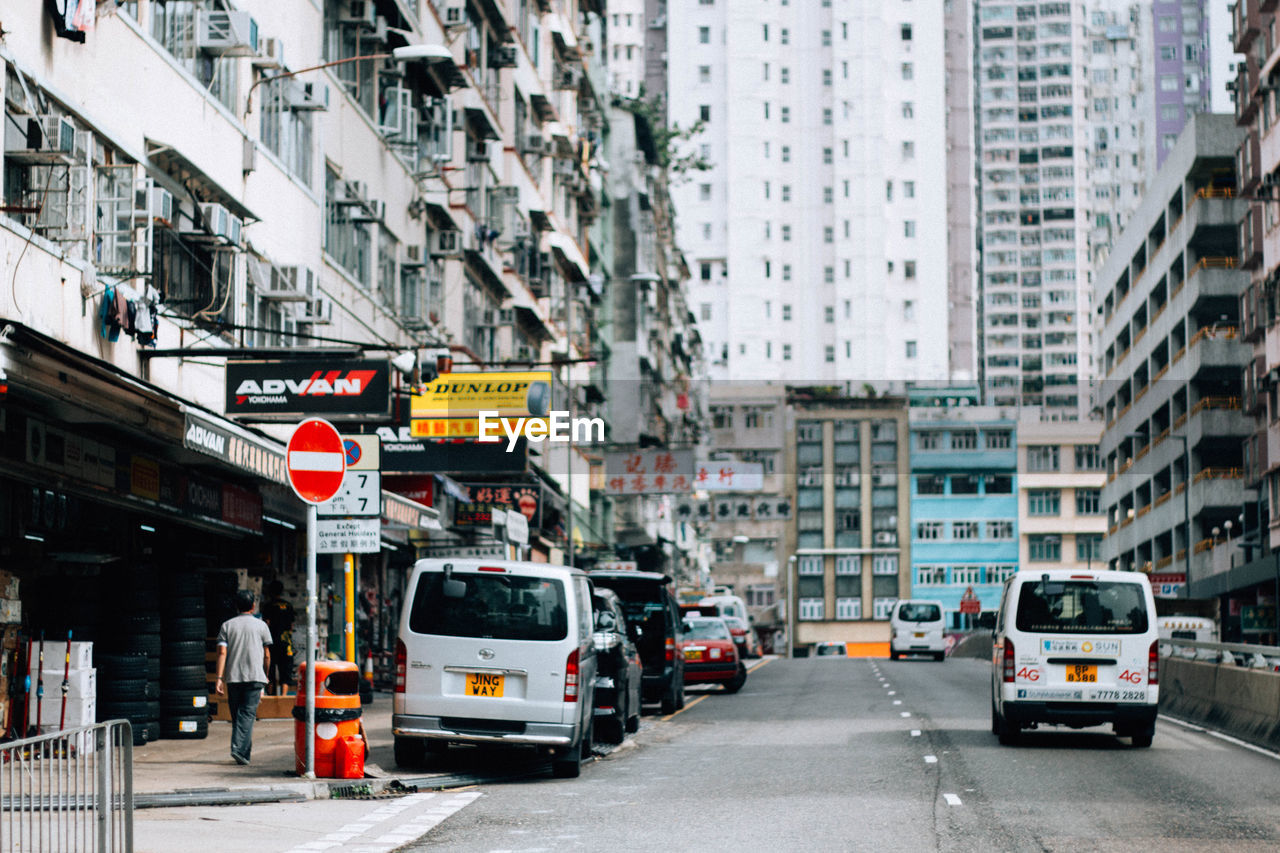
(878,755)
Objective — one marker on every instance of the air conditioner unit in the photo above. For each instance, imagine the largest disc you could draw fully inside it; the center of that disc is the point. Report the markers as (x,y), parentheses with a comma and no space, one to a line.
(503,56)
(302,97)
(477,150)
(373,210)
(270,54)
(446,244)
(885,537)
(533,143)
(294,283)
(317,312)
(361,13)
(357,190)
(152,202)
(454,14)
(226,33)
(221,223)
(414,256)
(51,133)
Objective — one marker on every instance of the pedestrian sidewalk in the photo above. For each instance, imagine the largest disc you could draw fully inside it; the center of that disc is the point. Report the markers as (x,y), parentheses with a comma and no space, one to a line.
(201,772)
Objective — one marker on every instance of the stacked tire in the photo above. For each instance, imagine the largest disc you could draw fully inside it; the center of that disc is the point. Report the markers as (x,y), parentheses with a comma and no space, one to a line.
(184,691)
(129,661)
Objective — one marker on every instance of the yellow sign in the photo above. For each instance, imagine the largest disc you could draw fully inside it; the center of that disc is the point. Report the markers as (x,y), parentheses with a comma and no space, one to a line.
(468,427)
(513,394)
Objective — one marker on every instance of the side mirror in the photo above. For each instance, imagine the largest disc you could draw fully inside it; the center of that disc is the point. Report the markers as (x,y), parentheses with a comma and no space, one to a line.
(987,621)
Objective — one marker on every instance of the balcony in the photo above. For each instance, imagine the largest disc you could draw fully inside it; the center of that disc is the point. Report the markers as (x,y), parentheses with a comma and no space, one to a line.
(1247,18)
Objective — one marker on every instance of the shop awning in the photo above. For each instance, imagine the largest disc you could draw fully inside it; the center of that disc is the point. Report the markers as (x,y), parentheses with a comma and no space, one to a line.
(571,259)
(530,320)
(182,169)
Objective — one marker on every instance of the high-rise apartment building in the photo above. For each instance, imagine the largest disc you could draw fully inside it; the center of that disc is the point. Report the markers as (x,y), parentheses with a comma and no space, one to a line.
(817,238)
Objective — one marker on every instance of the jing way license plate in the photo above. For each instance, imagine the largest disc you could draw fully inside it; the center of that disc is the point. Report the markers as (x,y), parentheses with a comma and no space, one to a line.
(484,684)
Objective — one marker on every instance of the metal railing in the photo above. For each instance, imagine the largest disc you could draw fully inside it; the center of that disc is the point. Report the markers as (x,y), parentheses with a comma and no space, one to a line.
(68,791)
(1245,655)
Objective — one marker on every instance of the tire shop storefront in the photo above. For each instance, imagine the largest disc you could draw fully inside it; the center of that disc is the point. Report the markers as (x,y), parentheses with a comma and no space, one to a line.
(129,519)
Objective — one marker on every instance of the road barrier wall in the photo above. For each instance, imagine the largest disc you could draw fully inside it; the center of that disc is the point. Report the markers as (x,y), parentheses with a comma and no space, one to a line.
(1241,702)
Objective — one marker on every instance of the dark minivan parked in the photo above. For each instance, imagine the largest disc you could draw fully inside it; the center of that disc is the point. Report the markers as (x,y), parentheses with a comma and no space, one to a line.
(655,619)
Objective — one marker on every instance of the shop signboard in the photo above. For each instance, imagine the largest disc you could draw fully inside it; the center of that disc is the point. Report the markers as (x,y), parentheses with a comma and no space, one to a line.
(333,387)
(348,536)
(404,454)
(649,472)
(256,456)
(524,498)
(495,550)
(450,405)
(729,476)
(1167,584)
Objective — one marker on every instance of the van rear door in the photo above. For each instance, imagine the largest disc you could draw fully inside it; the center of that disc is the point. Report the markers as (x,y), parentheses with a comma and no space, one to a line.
(496,651)
(1093,639)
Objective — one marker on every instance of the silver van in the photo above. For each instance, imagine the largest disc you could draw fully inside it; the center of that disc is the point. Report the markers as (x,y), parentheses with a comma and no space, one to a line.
(496,652)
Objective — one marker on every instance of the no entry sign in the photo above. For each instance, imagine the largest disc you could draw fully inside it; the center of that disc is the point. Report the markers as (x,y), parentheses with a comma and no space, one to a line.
(316,460)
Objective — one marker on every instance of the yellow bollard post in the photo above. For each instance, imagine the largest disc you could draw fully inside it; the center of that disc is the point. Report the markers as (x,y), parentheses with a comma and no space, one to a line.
(349,625)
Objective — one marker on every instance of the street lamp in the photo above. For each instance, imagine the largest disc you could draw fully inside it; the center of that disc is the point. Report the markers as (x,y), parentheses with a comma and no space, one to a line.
(791,569)
(429,53)
(1186,501)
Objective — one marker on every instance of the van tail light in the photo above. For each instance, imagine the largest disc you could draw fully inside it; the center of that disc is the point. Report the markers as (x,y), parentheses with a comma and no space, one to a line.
(671,649)
(402,658)
(1009,668)
(1153,664)
(571,677)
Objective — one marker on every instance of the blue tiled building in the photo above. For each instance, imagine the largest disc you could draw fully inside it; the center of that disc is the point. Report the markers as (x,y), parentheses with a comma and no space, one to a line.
(964,504)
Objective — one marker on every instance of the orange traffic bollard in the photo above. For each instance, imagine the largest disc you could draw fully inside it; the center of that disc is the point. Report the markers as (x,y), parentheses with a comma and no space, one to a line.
(337,719)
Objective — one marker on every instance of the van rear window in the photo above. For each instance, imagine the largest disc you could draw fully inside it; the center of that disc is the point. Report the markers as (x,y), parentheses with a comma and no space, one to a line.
(919,612)
(1082,607)
(495,606)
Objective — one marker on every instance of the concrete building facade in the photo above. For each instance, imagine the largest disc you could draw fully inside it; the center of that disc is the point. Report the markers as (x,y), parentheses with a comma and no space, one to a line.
(1061,523)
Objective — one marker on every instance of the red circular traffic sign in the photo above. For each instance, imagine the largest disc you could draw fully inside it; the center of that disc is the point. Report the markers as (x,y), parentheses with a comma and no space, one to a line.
(316,460)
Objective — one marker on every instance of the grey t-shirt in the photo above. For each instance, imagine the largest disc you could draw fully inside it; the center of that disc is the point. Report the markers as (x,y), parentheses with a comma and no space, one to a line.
(244,636)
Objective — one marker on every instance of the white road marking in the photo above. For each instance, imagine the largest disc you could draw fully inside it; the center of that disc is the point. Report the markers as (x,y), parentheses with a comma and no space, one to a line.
(915,733)
(893,693)
(439,807)
(906,713)
(897,701)
(931,759)
(952,800)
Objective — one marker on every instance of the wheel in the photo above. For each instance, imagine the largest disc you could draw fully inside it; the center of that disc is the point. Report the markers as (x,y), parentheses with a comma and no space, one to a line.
(189,678)
(570,766)
(183,703)
(183,607)
(436,747)
(680,696)
(184,653)
(184,628)
(1142,737)
(939,656)
(632,722)
(738,680)
(995,721)
(115,690)
(612,730)
(893,655)
(147,644)
(1006,731)
(410,752)
(184,728)
(670,704)
(119,667)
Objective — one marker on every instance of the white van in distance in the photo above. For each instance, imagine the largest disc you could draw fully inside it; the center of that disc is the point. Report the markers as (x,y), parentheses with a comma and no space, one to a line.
(1076,649)
(915,628)
(498,652)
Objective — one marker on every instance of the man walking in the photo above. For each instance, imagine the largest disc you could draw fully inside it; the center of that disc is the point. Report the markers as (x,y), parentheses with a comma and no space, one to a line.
(242,671)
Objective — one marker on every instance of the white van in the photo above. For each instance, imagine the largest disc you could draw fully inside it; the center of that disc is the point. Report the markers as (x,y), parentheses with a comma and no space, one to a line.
(494,651)
(730,605)
(915,628)
(1076,649)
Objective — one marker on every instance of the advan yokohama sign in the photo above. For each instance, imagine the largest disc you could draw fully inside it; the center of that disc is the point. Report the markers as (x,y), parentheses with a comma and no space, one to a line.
(334,388)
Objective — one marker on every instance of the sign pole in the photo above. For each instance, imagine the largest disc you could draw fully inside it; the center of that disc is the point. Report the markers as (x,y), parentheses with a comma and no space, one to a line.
(349,591)
(311,642)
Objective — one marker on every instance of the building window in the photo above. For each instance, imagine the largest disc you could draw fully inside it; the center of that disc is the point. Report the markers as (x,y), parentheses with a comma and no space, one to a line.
(906,32)
(1088,457)
(882,607)
(704,35)
(809,564)
(998,484)
(927,530)
(786,75)
(786,115)
(811,609)
(1000,530)
(1043,502)
(908,72)
(848,564)
(785,36)
(966,575)
(786,352)
(930,484)
(1088,501)
(884,564)
(908,228)
(964,529)
(830,353)
(1088,547)
(1045,548)
(928,441)
(761,595)
(786,192)
(704,112)
(704,271)
(930,575)
(964,439)
(1000,574)
(704,192)
(908,150)
(848,608)
(1043,457)
(998,439)
(786,153)
(704,73)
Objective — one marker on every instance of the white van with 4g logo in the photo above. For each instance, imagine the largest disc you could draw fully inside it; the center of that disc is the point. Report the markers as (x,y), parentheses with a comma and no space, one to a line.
(1076,649)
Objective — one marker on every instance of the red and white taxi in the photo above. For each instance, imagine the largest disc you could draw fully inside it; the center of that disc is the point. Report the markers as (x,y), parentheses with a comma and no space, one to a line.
(710,655)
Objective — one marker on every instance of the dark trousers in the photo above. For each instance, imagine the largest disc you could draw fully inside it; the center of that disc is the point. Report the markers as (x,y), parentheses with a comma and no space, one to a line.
(242,703)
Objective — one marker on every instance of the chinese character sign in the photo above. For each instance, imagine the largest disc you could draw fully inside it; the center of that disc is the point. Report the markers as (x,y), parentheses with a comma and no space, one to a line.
(729,476)
(650,471)
(524,498)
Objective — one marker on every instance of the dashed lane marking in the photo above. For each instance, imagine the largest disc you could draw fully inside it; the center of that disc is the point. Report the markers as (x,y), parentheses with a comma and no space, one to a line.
(915,733)
(906,713)
(897,701)
(952,800)
(931,759)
